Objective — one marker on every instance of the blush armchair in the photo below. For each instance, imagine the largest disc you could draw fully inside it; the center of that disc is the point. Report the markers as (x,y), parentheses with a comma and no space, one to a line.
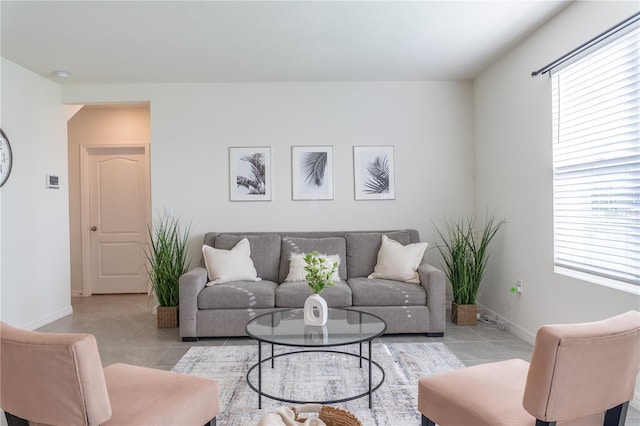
(58,379)
(580,374)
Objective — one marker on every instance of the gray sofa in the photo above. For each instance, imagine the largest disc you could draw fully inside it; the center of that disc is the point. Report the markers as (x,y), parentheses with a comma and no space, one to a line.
(224,309)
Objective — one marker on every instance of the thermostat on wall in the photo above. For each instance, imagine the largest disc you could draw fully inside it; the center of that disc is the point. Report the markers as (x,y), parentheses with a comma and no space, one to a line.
(53,182)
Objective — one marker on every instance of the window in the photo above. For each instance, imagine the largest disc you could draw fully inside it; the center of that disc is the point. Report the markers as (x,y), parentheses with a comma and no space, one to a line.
(596,163)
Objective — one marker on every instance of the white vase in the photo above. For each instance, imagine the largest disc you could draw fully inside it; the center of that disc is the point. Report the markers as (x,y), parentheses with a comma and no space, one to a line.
(315,310)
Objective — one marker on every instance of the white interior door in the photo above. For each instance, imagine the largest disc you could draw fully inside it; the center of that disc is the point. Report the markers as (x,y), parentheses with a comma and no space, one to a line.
(119,211)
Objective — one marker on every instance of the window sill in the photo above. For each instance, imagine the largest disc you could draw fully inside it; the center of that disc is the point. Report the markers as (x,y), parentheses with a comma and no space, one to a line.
(606,282)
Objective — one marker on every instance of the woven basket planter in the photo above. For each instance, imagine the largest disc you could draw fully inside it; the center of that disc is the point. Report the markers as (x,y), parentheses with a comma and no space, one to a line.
(464,314)
(332,416)
(168,317)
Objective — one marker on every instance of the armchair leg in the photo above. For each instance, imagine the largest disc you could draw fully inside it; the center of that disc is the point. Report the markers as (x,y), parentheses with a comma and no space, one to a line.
(212,422)
(15,420)
(427,421)
(542,423)
(616,416)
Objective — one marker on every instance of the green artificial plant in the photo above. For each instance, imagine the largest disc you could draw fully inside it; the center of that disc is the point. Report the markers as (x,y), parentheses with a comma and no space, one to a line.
(319,271)
(167,259)
(465,253)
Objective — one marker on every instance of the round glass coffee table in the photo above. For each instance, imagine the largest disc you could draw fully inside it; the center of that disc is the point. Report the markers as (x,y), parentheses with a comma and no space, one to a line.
(344,327)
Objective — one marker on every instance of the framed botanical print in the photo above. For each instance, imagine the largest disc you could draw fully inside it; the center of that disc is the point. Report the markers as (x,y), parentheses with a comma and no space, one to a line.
(373,173)
(250,173)
(312,172)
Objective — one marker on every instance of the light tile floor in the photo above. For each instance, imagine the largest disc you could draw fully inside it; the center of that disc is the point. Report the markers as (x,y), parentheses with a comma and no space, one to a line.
(126,331)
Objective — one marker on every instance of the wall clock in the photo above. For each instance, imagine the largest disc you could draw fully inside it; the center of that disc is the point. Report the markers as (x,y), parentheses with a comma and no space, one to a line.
(6,158)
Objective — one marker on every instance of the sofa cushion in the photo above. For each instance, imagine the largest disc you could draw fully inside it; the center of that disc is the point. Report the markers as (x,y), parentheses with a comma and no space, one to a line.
(225,266)
(293,294)
(328,246)
(297,264)
(399,262)
(379,292)
(265,252)
(363,247)
(238,295)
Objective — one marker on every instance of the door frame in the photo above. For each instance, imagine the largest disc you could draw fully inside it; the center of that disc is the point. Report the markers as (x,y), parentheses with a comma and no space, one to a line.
(85,201)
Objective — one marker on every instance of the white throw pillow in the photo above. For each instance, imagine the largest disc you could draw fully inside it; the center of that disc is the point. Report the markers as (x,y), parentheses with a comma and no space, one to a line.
(225,266)
(398,262)
(296,267)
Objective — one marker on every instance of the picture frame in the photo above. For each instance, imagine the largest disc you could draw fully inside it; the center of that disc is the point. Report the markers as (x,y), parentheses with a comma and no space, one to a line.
(312,172)
(250,173)
(373,173)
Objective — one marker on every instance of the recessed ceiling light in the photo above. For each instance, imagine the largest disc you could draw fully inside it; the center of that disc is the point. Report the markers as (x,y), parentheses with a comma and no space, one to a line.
(61,74)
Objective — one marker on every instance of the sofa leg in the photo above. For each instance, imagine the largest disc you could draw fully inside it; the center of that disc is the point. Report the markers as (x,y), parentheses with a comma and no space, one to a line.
(435,334)
(616,416)
(543,423)
(427,421)
(212,422)
(189,339)
(15,420)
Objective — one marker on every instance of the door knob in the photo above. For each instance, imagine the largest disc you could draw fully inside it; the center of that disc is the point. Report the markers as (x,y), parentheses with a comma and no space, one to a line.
(94,228)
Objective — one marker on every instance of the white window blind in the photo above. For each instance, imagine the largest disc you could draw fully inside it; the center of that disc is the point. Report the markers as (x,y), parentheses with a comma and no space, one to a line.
(596,162)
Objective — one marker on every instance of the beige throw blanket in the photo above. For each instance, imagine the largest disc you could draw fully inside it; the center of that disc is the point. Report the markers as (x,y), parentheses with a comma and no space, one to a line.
(285,416)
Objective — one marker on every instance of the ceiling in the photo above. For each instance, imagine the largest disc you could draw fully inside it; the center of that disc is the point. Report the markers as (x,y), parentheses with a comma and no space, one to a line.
(102,42)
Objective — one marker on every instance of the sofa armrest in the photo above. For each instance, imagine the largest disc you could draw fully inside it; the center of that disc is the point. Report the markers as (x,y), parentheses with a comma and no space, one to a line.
(190,286)
(433,280)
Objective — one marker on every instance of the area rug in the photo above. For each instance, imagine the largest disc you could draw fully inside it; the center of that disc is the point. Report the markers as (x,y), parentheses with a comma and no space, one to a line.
(320,376)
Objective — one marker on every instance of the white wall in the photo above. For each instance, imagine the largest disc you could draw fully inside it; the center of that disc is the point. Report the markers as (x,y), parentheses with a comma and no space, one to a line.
(35,228)
(514,175)
(192,126)
(514,178)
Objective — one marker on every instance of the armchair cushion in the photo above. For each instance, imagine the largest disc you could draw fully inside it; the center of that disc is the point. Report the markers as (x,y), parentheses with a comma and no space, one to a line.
(482,395)
(168,398)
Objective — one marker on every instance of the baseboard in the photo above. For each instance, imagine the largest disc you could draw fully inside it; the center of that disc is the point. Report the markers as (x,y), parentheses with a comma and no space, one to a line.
(76,293)
(519,331)
(48,318)
(513,328)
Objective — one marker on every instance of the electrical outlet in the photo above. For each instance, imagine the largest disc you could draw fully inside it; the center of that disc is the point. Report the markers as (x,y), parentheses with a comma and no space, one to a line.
(519,286)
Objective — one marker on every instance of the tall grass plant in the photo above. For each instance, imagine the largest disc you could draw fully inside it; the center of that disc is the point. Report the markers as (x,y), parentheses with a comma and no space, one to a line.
(465,252)
(167,259)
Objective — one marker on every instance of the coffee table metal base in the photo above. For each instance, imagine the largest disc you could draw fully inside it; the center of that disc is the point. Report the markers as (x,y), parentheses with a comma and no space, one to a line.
(371,388)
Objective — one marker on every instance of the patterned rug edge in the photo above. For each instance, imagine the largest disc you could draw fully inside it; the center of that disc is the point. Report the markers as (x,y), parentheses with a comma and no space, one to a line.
(318,375)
